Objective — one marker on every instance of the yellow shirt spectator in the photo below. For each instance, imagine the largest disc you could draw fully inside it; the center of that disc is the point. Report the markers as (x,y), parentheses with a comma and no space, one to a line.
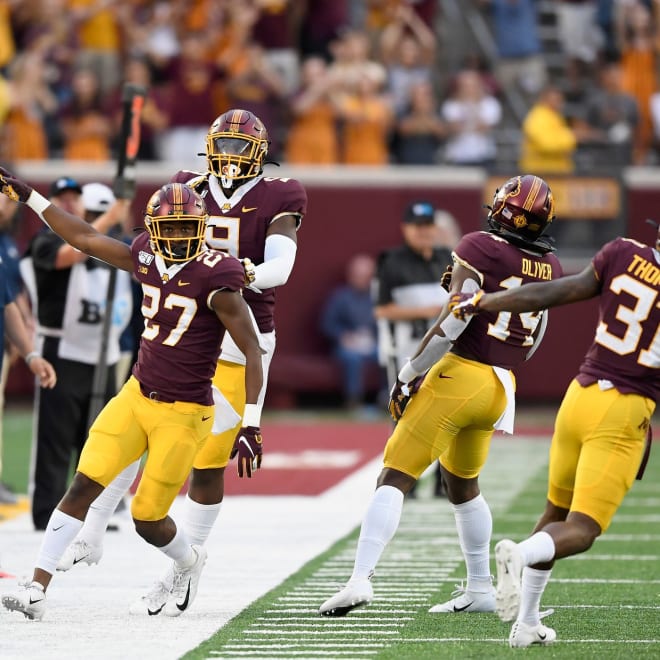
(548,141)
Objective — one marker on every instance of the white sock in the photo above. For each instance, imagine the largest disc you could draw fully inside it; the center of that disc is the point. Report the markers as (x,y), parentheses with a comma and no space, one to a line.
(102,508)
(474,524)
(378,527)
(61,530)
(537,548)
(180,550)
(534,582)
(198,520)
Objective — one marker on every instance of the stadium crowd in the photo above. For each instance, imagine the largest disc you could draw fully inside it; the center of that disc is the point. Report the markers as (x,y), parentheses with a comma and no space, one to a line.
(352,82)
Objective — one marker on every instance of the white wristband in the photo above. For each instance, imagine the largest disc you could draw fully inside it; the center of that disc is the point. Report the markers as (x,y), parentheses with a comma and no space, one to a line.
(407,373)
(30,356)
(252,415)
(38,203)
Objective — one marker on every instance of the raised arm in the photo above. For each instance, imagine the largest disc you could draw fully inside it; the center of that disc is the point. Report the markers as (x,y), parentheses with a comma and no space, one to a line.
(72,229)
(529,297)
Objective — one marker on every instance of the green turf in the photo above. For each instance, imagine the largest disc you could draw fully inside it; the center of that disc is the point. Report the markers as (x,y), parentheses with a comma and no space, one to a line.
(598,612)
(17,437)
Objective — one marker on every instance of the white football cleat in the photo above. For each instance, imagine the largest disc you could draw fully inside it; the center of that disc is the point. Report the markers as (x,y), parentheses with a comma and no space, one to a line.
(80,551)
(523,635)
(29,599)
(356,593)
(509,572)
(151,603)
(184,584)
(467,601)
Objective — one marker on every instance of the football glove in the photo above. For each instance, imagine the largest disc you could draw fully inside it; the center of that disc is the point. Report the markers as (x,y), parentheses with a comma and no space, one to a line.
(400,396)
(463,305)
(249,448)
(14,188)
(445,280)
(248,267)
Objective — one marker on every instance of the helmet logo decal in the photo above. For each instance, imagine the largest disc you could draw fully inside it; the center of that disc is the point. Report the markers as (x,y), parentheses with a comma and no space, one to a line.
(520,221)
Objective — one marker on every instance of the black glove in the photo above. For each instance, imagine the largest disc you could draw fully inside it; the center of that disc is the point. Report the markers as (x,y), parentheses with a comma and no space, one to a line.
(445,280)
(249,447)
(400,396)
(14,188)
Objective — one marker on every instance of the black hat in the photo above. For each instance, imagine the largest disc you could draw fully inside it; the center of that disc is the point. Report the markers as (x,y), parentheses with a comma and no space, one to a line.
(62,184)
(419,213)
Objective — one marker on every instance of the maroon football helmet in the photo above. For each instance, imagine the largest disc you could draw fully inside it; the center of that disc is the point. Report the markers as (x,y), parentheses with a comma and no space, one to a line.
(176,203)
(522,208)
(236,147)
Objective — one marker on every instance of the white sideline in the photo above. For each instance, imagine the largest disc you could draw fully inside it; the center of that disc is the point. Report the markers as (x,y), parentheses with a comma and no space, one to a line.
(257,543)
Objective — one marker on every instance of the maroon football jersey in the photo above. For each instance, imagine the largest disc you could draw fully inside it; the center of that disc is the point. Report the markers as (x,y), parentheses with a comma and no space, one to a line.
(502,339)
(238,225)
(181,340)
(626,348)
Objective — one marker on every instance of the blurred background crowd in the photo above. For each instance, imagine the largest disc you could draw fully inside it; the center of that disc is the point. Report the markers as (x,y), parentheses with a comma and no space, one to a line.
(560,86)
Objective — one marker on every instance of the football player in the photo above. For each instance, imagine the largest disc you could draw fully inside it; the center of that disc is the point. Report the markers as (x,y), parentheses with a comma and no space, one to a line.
(457,390)
(191,295)
(602,432)
(250,216)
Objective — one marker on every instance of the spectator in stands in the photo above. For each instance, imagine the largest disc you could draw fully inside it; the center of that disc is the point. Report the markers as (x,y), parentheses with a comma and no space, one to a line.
(29,124)
(86,127)
(576,29)
(98,37)
(471,115)
(348,322)
(420,130)
(407,49)
(520,62)
(312,136)
(549,143)
(188,101)
(638,39)
(613,116)
(367,119)
(68,291)
(259,88)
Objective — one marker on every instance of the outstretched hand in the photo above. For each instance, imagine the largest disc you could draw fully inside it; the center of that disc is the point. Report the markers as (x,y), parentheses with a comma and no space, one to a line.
(13,187)
(463,305)
(249,447)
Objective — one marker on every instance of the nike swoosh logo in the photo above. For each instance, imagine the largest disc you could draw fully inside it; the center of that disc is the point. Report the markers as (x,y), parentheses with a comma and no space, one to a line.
(247,444)
(205,418)
(183,283)
(461,609)
(245,209)
(55,529)
(75,561)
(32,602)
(541,636)
(443,376)
(154,612)
(184,605)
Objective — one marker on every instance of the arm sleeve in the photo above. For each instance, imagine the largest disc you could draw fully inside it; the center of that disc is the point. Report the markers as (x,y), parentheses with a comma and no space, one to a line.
(279,257)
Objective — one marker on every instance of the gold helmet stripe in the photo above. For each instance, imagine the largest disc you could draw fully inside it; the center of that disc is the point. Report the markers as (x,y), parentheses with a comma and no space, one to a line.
(533,194)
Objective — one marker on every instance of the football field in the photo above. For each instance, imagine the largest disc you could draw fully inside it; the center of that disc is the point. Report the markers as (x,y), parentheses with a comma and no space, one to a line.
(274,557)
